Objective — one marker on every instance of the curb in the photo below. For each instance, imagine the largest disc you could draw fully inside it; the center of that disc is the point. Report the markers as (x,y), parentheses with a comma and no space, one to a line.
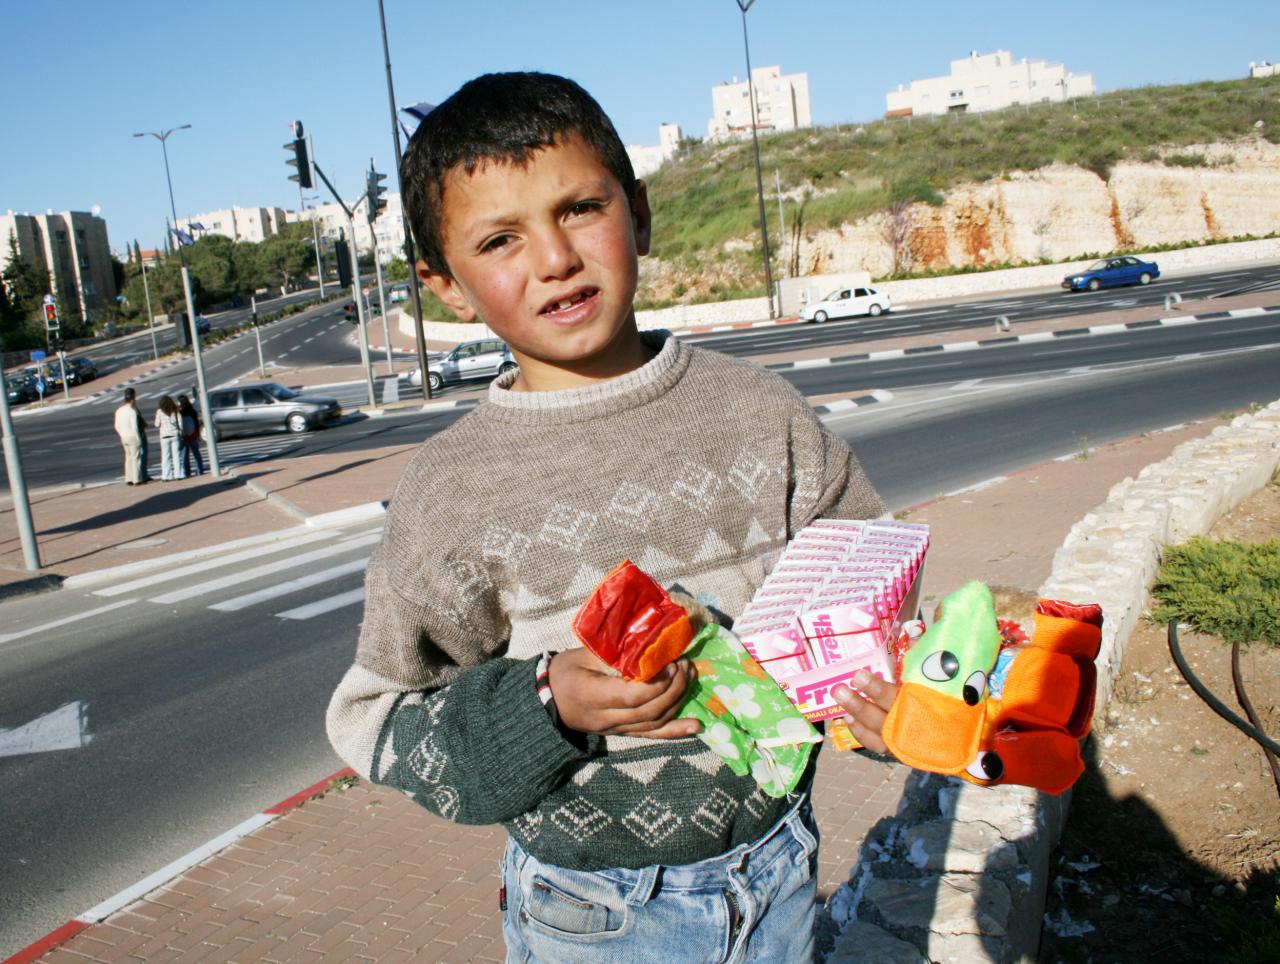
(1168,322)
(102,911)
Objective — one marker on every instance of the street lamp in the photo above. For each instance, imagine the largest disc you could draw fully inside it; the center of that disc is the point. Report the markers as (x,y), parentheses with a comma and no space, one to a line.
(193,330)
(744,6)
(315,235)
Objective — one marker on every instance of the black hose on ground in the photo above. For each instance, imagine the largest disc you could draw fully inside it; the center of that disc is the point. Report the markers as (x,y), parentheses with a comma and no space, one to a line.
(1253,731)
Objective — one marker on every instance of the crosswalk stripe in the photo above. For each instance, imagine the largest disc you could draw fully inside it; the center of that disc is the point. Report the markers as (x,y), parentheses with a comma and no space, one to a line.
(5,637)
(248,575)
(324,605)
(213,563)
(293,585)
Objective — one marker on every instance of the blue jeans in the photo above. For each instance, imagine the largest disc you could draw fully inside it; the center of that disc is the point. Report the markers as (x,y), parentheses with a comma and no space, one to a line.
(754,903)
(169,467)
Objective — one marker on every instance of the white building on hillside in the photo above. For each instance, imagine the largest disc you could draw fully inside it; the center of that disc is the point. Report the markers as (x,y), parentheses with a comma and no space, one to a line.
(645,159)
(1264,69)
(782,104)
(988,82)
(236,223)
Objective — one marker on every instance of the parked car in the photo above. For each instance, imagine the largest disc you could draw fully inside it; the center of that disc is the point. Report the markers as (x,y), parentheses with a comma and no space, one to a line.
(81,370)
(264,406)
(468,361)
(202,325)
(398,292)
(1112,272)
(847,302)
(20,387)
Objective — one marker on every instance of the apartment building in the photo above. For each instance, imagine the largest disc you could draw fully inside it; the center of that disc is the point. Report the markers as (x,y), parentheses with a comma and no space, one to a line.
(782,104)
(645,159)
(982,82)
(72,248)
(237,223)
(386,236)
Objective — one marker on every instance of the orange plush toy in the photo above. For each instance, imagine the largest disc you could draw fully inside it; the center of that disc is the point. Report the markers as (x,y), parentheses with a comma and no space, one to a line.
(991,714)
(631,623)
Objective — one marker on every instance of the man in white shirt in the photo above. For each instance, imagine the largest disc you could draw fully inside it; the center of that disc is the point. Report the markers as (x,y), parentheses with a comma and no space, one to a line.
(130,428)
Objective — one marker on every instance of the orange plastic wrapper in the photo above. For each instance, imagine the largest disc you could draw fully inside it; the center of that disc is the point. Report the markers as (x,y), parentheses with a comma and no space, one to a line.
(631,623)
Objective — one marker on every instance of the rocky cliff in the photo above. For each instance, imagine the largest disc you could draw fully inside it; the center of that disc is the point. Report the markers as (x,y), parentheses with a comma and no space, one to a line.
(1199,193)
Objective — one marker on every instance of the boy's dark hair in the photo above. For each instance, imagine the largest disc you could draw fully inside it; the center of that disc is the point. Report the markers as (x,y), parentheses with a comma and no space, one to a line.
(130,394)
(504,118)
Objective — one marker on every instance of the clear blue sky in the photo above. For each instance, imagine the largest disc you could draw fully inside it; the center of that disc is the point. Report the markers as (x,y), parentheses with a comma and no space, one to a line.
(80,77)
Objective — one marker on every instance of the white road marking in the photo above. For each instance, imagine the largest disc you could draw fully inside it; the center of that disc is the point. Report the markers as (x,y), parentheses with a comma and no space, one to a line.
(293,585)
(66,728)
(248,575)
(324,605)
(214,563)
(4,638)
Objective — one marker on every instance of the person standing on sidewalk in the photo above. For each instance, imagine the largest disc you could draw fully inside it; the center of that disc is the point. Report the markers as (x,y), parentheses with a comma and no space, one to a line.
(628,838)
(131,429)
(169,426)
(189,425)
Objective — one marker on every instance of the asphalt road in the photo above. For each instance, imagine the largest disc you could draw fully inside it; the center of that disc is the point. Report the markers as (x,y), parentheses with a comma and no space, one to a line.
(193,703)
(197,717)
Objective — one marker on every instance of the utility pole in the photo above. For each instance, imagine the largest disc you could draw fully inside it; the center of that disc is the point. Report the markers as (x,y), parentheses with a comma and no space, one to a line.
(744,6)
(151,318)
(17,483)
(409,257)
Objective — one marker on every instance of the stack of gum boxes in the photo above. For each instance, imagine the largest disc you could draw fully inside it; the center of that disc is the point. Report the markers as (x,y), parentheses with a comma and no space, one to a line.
(833,605)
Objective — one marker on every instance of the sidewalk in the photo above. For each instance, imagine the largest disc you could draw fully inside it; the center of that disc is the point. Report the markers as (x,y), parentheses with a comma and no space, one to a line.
(362,873)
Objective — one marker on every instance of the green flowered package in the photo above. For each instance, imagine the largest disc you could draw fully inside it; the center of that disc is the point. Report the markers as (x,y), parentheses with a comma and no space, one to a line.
(746,717)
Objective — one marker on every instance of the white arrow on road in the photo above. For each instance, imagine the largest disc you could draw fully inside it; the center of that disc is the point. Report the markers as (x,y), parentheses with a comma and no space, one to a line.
(66,728)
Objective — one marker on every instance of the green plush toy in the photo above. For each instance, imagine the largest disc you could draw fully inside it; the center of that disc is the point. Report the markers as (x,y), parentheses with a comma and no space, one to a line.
(957,654)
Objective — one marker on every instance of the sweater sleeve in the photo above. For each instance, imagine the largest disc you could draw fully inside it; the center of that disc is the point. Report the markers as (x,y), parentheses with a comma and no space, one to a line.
(827,481)
(431,708)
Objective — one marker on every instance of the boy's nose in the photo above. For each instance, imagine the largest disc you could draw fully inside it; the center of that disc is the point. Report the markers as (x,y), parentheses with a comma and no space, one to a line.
(557,256)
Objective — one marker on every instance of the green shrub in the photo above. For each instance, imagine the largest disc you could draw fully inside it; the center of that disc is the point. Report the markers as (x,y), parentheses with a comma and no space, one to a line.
(1187,160)
(1227,589)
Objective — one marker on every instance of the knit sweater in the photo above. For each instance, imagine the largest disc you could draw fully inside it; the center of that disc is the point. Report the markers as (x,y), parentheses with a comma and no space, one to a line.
(698,468)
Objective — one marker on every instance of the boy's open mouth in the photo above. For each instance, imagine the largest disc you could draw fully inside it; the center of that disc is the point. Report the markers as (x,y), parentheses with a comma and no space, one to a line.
(565,304)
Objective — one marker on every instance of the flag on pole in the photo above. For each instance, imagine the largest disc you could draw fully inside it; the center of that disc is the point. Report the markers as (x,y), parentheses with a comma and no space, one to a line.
(183,237)
(197,226)
(413,115)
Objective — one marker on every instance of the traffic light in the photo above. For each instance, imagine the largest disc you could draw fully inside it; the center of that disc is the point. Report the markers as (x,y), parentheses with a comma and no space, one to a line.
(377,193)
(50,315)
(298,146)
(55,342)
(344,263)
(349,313)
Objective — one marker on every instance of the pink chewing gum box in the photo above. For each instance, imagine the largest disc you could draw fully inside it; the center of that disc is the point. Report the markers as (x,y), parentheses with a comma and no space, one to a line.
(844,587)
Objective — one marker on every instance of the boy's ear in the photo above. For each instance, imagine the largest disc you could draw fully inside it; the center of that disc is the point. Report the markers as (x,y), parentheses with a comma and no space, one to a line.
(641,218)
(447,290)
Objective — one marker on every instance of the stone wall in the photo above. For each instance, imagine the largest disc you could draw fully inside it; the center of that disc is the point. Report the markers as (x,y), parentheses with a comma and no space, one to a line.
(960,872)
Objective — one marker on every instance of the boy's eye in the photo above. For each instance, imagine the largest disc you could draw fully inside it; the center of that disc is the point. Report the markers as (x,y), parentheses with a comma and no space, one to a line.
(492,244)
(584,207)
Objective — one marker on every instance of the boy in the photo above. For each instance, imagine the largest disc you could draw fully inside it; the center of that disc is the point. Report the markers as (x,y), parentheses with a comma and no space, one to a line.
(628,840)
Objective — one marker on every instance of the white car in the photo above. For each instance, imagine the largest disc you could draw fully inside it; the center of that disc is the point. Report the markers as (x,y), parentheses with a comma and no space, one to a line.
(468,361)
(846,302)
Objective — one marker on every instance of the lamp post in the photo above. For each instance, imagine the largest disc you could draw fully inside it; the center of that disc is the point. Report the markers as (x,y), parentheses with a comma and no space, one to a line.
(162,137)
(315,234)
(744,6)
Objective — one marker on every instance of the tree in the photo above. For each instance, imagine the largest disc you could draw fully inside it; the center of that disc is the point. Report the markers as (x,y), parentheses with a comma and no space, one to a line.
(26,285)
(285,256)
(396,270)
(211,261)
(896,230)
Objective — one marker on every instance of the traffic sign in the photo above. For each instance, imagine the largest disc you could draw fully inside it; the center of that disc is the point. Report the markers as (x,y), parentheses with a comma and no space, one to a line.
(37,356)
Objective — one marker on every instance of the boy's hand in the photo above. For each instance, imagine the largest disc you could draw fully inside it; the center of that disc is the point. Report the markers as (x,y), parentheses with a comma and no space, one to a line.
(866,716)
(591,699)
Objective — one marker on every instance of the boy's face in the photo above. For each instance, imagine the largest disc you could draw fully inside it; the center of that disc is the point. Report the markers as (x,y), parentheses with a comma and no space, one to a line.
(545,255)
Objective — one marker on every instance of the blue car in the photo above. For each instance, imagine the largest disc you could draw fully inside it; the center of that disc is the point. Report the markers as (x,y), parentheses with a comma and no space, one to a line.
(1111,273)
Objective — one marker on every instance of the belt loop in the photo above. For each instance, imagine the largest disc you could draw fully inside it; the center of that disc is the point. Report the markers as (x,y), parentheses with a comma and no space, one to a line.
(645,884)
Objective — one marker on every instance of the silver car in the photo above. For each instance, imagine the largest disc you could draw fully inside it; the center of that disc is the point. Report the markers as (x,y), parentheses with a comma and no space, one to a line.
(266,406)
(480,359)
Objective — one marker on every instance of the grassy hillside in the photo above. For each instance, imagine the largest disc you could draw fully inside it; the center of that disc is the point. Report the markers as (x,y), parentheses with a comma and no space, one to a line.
(707,195)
